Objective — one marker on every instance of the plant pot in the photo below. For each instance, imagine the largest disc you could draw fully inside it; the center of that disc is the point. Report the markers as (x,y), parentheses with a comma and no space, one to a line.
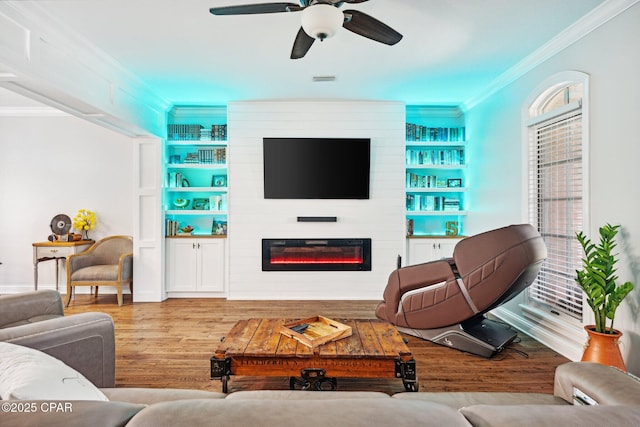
(603,348)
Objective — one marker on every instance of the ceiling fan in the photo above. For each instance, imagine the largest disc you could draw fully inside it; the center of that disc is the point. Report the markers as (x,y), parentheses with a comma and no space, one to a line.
(320,20)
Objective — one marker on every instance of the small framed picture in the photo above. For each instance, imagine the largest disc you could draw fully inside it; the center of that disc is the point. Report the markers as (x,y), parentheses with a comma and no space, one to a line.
(219,181)
(219,227)
(174,159)
(200,204)
(454,183)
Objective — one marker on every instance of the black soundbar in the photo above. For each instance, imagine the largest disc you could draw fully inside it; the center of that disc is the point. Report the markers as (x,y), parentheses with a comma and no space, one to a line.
(317,219)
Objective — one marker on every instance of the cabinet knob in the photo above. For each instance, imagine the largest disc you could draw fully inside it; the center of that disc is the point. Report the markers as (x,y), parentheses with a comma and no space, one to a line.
(193,245)
(198,245)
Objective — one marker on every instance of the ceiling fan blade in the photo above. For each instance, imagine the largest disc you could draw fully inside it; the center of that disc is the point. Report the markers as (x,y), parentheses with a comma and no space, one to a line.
(301,45)
(251,9)
(367,26)
(354,1)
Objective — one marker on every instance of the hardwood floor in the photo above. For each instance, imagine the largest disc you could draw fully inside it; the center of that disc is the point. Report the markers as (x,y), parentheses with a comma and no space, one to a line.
(169,344)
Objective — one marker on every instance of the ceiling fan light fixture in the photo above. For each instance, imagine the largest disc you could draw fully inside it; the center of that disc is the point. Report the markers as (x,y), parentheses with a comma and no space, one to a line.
(321,21)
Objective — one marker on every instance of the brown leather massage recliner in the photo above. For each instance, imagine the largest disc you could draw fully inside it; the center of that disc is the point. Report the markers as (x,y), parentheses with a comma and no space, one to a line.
(445,301)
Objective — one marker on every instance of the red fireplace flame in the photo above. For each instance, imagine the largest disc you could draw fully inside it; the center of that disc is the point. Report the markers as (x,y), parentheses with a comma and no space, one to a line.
(316,260)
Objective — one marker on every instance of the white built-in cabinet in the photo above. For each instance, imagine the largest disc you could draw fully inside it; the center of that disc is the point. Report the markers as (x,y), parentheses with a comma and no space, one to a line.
(435,166)
(421,250)
(195,201)
(196,264)
(436,184)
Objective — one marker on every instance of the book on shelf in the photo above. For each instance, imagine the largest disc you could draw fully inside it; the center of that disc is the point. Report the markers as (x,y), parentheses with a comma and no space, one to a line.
(415,180)
(191,158)
(205,134)
(176,179)
(435,156)
(451,204)
(172,228)
(207,155)
(431,203)
(415,132)
(184,132)
(218,132)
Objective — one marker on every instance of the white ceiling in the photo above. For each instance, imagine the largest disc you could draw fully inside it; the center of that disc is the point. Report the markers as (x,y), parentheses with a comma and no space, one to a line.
(451,50)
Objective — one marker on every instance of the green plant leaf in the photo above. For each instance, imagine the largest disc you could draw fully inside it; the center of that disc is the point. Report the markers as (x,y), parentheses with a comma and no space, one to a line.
(616,298)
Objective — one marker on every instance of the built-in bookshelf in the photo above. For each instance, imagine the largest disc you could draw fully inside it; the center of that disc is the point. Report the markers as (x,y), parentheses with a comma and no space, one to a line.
(435,169)
(196,172)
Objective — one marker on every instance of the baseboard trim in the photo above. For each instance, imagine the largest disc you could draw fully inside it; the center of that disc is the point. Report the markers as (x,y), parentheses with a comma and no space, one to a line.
(570,347)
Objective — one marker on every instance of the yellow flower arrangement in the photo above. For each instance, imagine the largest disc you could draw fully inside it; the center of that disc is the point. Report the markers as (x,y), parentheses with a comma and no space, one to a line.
(84,220)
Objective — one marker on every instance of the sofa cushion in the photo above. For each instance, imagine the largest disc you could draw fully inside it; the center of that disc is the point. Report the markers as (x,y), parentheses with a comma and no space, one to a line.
(96,272)
(155,395)
(551,416)
(309,413)
(461,399)
(29,305)
(68,414)
(33,319)
(29,374)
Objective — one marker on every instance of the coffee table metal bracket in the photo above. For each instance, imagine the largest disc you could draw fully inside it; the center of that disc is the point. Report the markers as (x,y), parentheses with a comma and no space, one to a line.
(221,369)
(406,370)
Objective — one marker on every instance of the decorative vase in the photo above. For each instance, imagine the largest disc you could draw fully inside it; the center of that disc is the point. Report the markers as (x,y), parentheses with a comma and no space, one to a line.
(603,348)
(85,235)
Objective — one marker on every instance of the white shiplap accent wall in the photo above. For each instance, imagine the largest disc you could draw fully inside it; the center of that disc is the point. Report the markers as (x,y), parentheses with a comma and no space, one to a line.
(252,218)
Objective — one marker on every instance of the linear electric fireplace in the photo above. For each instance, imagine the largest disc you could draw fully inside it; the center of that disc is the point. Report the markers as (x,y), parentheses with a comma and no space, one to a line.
(316,254)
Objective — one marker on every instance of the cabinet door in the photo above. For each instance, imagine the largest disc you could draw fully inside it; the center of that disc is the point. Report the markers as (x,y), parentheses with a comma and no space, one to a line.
(425,250)
(446,247)
(211,258)
(182,271)
(421,250)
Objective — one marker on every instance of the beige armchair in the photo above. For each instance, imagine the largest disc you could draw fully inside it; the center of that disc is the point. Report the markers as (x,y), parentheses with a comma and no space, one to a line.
(109,262)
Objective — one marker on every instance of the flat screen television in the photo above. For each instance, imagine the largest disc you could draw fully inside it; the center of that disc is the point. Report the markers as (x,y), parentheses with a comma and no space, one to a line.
(316,168)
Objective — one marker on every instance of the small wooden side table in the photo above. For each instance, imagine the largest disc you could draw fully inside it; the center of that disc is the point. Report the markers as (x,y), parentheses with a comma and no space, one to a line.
(45,251)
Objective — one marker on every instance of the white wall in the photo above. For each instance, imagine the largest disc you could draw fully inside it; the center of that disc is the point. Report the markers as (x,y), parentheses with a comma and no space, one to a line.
(612,60)
(53,165)
(252,218)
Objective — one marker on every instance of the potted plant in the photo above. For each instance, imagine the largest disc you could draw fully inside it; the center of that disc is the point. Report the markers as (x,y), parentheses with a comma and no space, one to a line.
(598,278)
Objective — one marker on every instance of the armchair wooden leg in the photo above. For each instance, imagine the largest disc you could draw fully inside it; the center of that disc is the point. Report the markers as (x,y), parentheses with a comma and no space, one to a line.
(68,299)
(120,296)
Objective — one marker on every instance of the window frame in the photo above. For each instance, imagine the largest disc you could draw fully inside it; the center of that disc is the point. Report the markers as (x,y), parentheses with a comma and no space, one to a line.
(549,323)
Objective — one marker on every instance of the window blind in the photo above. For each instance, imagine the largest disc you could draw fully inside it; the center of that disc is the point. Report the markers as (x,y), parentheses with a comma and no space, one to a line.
(555,206)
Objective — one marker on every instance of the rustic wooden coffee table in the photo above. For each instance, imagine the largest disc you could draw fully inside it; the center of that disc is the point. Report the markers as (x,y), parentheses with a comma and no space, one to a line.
(255,347)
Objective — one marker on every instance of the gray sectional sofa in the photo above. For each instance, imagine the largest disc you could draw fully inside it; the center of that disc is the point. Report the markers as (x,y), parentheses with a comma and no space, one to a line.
(616,393)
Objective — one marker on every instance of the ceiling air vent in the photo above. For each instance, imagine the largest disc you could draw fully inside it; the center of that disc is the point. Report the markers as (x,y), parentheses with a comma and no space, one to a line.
(324,78)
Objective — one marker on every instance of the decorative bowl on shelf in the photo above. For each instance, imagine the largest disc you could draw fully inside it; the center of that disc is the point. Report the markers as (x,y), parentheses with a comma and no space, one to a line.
(181,203)
(185,231)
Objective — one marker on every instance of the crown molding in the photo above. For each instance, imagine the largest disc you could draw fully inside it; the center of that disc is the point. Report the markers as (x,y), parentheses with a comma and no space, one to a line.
(434,110)
(31,112)
(585,25)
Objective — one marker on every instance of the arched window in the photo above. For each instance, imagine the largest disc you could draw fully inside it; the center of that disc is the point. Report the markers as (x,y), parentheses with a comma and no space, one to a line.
(556,192)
